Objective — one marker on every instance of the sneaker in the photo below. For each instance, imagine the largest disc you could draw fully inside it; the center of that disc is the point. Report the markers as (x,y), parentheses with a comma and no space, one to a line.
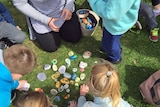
(138,25)
(101,50)
(3,45)
(153,35)
(7,42)
(13,96)
(136,28)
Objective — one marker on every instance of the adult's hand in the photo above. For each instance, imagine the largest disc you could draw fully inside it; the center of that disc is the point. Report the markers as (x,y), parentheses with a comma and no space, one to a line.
(51,24)
(67,14)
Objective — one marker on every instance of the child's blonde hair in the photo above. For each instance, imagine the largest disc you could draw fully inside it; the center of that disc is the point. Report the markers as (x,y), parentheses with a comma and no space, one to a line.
(33,99)
(19,59)
(104,81)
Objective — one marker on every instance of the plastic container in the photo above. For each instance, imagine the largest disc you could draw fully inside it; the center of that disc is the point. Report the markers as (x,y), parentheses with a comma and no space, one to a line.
(59,22)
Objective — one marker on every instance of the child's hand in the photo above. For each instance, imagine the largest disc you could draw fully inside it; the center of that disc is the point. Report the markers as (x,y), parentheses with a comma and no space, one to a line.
(21,84)
(72,104)
(18,28)
(84,89)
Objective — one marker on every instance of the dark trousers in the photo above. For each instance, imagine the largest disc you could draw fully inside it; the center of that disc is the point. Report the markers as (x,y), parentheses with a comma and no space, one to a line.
(111,45)
(69,32)
(146,11)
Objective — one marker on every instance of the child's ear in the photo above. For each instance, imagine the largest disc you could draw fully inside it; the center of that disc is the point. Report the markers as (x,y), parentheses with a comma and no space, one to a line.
(16,76)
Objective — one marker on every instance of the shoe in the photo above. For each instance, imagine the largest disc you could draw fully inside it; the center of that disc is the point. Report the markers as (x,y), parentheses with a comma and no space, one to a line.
(138,25)
(153,34)
(7,42)
(101,50)
(136,28)
(3,45)
(13,96)
(114,62)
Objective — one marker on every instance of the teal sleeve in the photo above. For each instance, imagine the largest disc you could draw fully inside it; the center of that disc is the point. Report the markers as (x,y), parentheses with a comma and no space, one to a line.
(15,84)
(113,9)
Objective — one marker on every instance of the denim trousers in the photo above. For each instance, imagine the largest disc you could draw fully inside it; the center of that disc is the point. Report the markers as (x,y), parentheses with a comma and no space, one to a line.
(111,45)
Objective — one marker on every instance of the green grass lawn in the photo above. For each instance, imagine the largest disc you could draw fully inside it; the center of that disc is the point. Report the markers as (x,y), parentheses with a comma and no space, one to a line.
(140,59)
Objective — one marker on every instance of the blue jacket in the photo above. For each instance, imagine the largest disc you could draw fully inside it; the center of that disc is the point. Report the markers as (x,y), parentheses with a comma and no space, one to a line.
(5,15)
(100,102)
(7,84)
(117,15)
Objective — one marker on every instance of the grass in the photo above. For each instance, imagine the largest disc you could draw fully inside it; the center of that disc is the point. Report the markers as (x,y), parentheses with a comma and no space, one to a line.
(140,59)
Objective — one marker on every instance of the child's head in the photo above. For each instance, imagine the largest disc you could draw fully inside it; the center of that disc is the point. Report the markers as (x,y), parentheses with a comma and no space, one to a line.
(104,82)
(33,99)
(19,59)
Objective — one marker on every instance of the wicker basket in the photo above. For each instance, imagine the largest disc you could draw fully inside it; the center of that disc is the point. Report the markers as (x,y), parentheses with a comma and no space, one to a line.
(83,13)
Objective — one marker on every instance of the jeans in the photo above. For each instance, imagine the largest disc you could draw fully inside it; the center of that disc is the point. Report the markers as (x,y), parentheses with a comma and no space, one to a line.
(111,45)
